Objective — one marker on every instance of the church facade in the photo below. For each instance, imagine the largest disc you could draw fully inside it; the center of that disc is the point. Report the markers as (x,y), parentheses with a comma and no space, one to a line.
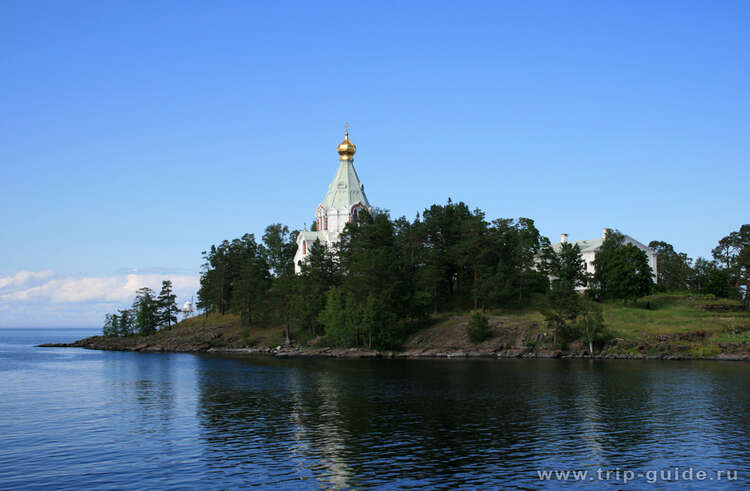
(345,199)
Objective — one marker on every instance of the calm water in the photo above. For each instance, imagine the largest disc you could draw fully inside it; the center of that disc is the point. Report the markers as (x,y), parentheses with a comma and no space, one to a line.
(72,418)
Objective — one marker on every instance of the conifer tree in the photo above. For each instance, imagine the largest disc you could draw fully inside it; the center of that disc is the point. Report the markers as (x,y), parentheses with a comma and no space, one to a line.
(166,306)
(126,323)
(145,309)
(109,328)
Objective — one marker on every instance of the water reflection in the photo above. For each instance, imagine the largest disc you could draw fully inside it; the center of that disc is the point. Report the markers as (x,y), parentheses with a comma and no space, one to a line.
(473,423)
(72,419)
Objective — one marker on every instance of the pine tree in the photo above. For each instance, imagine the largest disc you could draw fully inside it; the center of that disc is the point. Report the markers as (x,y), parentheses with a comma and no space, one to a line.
(145,310)
(126,323)
(251,284)
(166,306)
(109,328)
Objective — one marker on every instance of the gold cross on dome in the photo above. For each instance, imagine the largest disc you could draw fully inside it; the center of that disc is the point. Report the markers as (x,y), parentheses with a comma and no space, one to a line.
(346,127)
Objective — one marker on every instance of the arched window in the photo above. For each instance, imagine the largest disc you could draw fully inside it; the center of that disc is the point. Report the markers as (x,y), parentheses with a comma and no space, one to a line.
(304,247)
(356,209)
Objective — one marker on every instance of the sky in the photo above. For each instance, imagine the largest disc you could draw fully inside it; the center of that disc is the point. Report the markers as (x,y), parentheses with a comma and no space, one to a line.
(133,135)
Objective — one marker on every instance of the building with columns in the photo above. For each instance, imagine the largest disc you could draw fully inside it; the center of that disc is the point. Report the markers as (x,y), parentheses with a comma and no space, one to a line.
(589,248)
(345,199)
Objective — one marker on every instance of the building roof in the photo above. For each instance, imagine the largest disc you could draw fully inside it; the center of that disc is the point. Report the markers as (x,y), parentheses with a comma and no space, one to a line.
(310,236)
(346,190)
(593,245)
(588,245)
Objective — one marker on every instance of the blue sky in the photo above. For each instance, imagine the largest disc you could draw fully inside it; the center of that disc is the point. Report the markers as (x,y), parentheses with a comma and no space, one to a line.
(135,134)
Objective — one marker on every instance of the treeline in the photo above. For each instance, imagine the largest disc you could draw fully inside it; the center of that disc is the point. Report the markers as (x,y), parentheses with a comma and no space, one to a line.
(384,274)
(724,275)
(148,314)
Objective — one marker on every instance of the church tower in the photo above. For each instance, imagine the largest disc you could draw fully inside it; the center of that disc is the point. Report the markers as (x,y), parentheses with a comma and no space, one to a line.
(345,199)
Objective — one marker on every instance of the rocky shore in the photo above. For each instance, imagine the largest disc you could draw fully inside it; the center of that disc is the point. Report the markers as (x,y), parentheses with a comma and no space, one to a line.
(133,344)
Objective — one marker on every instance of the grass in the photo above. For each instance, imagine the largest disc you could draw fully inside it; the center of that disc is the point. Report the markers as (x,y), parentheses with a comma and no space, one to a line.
(233,333)
(668,315)
(678,323)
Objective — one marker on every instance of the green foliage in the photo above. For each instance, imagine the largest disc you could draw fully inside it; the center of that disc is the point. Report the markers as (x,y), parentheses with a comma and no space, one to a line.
(708,278)
(336,319)
(673,269)
(384,274)
(479,329)
(733,254)
(280,247)
(565,267)
(145,309)
(590,326)
(565,301)
(166,306)
(506,272)
(319,274)
(622,269)
(252,280)
(125,325)
(110,327)
(379,293)
(147,314)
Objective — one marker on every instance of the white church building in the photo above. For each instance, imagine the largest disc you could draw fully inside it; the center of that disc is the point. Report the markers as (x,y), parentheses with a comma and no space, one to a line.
(345,199)
(590,247)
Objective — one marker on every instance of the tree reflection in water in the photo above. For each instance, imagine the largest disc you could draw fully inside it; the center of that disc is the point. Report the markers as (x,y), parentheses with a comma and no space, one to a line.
(345,423)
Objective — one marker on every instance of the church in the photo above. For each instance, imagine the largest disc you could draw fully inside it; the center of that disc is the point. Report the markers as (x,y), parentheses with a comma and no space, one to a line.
(345,199)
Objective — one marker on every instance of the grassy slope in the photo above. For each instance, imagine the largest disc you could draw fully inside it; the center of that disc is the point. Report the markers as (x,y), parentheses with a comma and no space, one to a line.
(680,323)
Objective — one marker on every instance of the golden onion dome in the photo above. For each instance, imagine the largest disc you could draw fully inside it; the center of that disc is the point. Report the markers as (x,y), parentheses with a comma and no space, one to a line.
(346,148)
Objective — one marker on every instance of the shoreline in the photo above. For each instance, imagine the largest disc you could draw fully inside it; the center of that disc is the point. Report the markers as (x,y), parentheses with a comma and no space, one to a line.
(672,327)
(102,344)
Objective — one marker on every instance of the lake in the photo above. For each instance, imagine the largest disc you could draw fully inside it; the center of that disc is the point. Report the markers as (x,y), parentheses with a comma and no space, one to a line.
(74,418)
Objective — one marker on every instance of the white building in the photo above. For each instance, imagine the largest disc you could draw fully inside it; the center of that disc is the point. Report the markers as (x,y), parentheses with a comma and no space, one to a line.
(344,200)
(590,247)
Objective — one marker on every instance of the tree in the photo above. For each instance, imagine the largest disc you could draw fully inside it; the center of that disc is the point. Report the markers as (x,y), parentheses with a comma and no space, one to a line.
(507,271)
(733,252)
(320,272)
(215,281)
(281,246)
(334,317)
(567,272)
(673,268)
(377,295)
(479,328)
(126,323)
(145,311)
(566,266)
(622,269)
(109,328)
(590,326)
(166,305)
(708,278)
(252,281)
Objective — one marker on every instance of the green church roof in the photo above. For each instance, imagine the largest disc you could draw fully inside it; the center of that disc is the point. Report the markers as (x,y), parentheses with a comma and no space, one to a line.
(346,190)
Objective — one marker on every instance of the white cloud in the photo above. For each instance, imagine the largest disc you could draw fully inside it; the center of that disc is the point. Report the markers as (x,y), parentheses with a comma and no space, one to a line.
(23,278)
(44,298)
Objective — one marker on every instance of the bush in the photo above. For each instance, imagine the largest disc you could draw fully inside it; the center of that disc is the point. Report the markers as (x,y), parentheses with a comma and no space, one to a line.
(479,328)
